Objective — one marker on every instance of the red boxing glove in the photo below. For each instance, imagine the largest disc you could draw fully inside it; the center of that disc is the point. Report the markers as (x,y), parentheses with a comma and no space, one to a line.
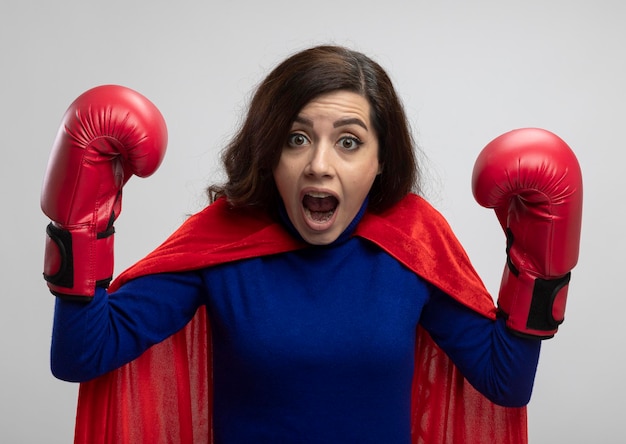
(107,134)
(532,180)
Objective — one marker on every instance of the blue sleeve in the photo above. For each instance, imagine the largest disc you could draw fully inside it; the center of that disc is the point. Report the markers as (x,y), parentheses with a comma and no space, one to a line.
(90,339)
(496,362)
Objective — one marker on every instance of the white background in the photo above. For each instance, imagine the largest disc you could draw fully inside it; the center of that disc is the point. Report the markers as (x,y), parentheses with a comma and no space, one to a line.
(467,72)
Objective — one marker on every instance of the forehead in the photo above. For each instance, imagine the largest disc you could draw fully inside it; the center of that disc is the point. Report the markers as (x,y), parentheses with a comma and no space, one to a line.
(337,104)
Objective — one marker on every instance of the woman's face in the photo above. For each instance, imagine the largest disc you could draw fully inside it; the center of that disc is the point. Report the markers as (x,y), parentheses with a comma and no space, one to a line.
(328,165)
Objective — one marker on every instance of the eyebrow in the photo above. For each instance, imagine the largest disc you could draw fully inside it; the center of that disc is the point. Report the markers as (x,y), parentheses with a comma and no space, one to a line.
(337,124)
(349,121)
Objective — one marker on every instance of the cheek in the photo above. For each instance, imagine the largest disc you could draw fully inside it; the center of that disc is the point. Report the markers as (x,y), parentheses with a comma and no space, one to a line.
(364,178)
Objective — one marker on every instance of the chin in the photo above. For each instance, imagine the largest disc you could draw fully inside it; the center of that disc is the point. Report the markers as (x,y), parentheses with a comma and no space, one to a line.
(320,238)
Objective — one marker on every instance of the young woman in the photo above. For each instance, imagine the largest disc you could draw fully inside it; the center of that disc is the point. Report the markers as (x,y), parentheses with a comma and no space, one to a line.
(302,304)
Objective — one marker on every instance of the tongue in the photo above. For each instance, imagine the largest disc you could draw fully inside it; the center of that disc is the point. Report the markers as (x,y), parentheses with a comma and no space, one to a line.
(320,204)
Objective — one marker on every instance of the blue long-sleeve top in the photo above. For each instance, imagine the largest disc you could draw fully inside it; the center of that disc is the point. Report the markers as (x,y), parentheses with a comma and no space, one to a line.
(318,342)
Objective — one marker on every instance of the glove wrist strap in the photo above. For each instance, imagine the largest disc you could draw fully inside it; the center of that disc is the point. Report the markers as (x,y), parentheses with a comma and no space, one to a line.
(533,306)
(77,260)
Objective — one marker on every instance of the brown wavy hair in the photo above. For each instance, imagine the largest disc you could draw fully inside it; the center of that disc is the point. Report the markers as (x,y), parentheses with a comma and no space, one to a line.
(253,153)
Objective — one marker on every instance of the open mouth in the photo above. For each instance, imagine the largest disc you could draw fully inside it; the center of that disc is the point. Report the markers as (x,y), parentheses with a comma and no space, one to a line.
(319,207)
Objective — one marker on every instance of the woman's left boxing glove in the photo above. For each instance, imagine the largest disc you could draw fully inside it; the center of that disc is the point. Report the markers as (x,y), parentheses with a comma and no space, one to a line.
(532,180)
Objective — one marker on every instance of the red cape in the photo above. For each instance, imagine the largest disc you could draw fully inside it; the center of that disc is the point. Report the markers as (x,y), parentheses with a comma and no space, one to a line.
(165,395)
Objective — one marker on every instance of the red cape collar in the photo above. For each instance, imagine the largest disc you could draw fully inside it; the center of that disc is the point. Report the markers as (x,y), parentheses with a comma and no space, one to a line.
(412,231)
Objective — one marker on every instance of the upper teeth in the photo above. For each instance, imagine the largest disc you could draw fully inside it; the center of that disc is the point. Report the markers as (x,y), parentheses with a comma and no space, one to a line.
(318,194)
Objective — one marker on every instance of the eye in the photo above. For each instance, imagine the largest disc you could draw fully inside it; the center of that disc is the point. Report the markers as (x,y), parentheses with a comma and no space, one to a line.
(349,143)
(297,139)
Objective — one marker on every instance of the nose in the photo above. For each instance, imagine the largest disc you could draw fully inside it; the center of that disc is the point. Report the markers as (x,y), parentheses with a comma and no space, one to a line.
(320,161)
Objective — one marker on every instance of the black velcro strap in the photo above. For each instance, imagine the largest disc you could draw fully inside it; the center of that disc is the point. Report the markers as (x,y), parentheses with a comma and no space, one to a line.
(63,239)
(544,293)
(110,230)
